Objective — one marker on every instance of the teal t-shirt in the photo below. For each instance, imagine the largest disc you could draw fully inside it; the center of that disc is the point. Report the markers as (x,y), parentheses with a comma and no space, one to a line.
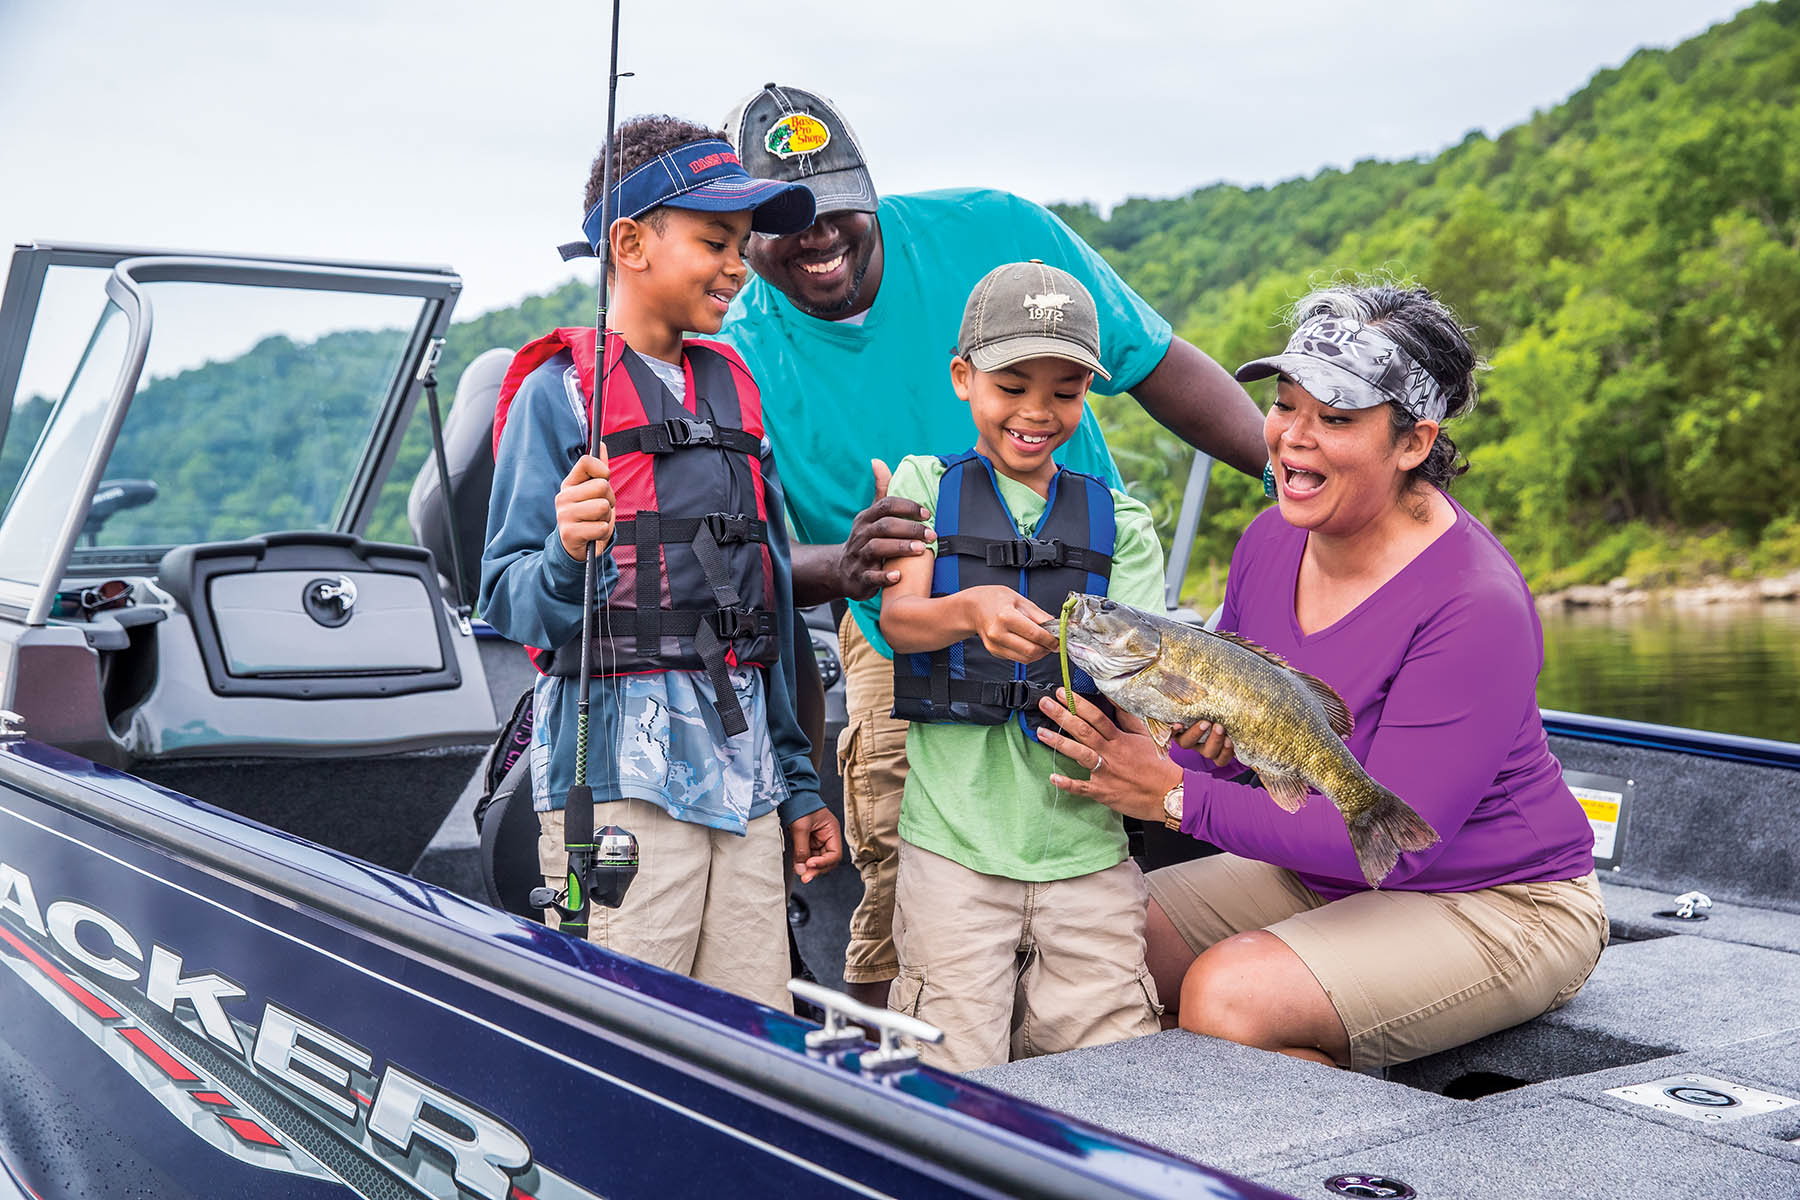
(981,795)
(837,394)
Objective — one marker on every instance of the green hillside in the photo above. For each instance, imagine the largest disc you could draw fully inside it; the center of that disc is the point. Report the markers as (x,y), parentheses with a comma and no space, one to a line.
(1630,261)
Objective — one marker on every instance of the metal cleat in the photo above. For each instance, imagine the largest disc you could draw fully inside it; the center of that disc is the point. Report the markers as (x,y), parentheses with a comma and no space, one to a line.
(891,1055)
(1689,906)
(12,725)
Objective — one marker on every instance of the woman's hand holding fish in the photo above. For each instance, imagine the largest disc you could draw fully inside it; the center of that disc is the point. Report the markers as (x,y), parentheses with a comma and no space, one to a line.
(1008,624)
(1208,740)
(1131,776)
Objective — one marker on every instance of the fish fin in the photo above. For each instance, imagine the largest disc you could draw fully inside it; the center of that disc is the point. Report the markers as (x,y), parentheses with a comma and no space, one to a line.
(1383,831)
(1289,791)
(1160,733)
(1251,646)
(1336,711)
(1182,690)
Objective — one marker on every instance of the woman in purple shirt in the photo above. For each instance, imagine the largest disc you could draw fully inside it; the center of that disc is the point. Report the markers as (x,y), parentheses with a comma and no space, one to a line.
(1369,576)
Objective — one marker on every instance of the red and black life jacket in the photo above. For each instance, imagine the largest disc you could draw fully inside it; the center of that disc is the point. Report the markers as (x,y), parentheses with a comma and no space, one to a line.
(978,543)
(696,589)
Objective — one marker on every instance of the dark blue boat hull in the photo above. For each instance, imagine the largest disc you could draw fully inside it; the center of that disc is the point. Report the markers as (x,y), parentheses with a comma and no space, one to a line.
(198,1006)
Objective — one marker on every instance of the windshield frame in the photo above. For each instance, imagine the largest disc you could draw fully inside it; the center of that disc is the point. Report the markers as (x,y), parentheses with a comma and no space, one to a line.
(436,288)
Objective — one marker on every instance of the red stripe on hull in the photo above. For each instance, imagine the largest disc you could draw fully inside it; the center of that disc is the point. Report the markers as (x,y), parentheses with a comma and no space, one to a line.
(250,1131)
(91,1002)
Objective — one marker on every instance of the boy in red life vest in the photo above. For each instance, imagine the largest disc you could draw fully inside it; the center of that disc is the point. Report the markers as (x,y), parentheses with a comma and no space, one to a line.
(1012,894)
(693,745)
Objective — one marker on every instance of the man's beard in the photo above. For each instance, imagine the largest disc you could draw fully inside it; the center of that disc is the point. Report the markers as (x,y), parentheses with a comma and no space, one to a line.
(832,311)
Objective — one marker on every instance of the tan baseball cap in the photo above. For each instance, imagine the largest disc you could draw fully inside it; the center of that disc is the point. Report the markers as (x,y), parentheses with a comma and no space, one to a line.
(1030,310)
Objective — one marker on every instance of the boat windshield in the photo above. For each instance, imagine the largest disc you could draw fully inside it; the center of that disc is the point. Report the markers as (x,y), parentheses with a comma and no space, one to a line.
(253,412)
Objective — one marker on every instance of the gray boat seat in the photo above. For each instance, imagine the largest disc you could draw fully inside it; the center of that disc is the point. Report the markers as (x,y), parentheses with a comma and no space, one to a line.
(469,454)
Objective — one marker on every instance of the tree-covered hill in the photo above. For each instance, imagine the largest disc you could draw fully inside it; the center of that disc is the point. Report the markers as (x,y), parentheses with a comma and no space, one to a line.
(1630,263)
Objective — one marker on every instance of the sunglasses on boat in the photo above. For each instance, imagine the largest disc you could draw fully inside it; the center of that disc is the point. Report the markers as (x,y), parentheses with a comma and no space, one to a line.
(85,602)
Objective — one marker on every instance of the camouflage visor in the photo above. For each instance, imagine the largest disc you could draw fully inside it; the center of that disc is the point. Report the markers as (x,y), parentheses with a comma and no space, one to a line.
(1344,363)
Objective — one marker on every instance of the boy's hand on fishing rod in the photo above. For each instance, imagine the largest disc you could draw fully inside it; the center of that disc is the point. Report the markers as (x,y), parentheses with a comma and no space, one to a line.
(584,506)
(1008,624)
(818,844)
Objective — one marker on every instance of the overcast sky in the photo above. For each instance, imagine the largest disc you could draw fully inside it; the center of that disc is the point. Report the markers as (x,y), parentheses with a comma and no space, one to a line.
(460,132)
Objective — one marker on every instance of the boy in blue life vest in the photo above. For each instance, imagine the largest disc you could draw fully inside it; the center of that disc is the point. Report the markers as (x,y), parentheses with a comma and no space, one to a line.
(1007,885)
(694,746)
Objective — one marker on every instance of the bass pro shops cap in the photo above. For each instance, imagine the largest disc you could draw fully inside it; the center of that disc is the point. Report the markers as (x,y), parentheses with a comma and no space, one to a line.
(789,134)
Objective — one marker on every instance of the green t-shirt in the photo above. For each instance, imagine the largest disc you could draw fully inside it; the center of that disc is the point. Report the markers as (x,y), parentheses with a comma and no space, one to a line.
(836,394)
(981,795)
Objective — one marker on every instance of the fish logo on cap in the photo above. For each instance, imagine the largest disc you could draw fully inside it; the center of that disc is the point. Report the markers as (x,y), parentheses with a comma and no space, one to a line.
(795,134)
(1047,304)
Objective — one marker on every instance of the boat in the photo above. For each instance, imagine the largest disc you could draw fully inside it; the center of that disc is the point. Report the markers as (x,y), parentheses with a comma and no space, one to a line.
(253,943)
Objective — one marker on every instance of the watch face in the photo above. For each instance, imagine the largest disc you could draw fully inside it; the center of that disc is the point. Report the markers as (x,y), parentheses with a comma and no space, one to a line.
(1172,802)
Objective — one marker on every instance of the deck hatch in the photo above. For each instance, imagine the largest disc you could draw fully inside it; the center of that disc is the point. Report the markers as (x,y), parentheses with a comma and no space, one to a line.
(1703,1098)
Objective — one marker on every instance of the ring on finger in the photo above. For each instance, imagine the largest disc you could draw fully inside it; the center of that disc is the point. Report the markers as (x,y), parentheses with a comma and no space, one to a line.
(1099,761)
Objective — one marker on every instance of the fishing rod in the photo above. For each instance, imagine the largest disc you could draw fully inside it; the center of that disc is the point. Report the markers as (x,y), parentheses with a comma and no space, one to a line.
(601,867)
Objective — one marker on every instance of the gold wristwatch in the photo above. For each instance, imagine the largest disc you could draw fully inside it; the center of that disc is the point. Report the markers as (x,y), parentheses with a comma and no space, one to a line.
(1172,800)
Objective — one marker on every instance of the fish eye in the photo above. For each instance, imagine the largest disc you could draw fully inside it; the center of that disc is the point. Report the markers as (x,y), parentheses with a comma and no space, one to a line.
(1108,605)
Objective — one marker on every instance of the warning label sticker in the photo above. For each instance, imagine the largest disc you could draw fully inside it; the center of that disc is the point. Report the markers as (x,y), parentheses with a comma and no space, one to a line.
(1602,810)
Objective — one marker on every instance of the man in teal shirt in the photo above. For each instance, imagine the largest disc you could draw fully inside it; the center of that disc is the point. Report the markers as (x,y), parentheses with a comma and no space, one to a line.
(833,327)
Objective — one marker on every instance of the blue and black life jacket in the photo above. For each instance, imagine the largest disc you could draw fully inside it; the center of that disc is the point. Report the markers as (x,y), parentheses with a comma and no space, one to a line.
(978,543)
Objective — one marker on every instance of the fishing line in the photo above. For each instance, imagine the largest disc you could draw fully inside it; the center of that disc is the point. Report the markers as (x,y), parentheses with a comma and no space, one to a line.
(1062,651)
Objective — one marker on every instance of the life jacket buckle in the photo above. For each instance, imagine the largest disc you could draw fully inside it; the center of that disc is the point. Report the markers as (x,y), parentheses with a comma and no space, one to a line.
(733,624)
(686,431)
(1015,694)
(1028,552)
(729,527)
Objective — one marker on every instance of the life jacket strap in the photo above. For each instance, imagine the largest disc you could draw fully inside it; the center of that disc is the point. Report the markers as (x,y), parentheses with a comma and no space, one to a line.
(1026,552)
(681,433)
(714,632)
(1017,695)
(726,529)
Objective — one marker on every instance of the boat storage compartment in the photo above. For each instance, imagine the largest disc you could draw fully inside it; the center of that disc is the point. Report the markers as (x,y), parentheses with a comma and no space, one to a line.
(313,616)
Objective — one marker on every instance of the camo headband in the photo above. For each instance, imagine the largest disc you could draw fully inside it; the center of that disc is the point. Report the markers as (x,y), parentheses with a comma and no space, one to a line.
(1344,363)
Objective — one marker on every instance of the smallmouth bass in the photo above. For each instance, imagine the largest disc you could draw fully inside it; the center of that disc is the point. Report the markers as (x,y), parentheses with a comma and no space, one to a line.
(1285,724)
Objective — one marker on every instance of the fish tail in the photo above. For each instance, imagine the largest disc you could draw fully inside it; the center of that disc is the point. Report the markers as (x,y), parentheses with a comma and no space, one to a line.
(1383,830)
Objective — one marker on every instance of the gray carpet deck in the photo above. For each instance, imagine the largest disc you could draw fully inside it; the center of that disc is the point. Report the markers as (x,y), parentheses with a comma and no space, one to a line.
(1632,911)
(1214,1101)
(1719,998)
(1560,1147)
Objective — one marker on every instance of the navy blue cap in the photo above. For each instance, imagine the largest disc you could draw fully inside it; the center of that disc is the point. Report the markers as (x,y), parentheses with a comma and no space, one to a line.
(705,176)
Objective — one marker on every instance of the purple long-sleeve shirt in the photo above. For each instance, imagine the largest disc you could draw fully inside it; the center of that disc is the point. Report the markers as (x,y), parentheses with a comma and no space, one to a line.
(1439,667)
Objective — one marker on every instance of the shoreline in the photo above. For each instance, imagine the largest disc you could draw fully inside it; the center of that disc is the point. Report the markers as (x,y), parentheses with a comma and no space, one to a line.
(1620,593)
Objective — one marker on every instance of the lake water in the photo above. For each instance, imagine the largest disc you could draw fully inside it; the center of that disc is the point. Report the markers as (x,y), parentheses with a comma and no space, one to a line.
(1731,668)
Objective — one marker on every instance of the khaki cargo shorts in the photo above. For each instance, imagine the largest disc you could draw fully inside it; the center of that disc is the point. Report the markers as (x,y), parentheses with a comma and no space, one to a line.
(872,763)
(1010,969)
(706,903)
(1409,973)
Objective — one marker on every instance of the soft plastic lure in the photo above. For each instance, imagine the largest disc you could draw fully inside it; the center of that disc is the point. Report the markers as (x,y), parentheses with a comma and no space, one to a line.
(1062,648)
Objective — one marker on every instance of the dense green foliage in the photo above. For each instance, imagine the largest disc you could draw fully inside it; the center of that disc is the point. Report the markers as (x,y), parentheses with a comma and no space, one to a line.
(1630,263)
(570,304)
